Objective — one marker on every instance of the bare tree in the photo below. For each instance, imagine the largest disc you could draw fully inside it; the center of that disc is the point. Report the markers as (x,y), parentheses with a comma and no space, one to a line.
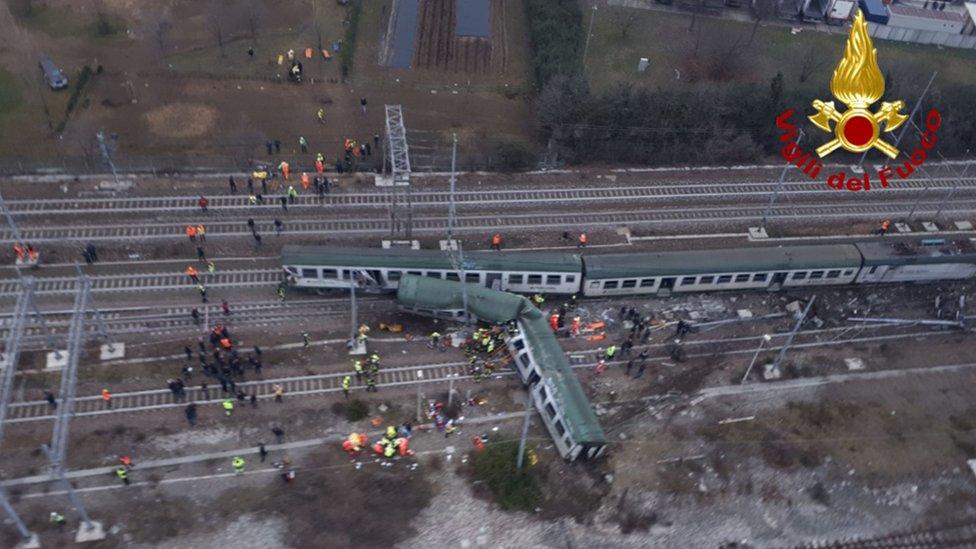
(624,20)
(761,10)
(217,19)
(253,12)
(810,62)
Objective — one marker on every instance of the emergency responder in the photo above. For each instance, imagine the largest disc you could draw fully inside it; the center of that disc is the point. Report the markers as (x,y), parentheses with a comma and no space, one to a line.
(371,384)
(357,366)
(203,202)
(321,116)
(435,339)
(123,475)
(279,393)
(107,398)
(285,169)
(228,407)
(194,275)
(20,251)
(611,351)
(191,233)
(538,300)
(885,225)
(582,240)
(292,193)
(306,181)
(278,226)
(306,340)
(202,233)
(391,433)
(496,242)
(303,144)
(238,464)
(58,519)
(346,382)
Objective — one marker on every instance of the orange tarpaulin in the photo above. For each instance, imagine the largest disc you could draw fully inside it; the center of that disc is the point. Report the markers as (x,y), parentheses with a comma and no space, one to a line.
(596,326)
(308,53)
(326,54)
(598,337)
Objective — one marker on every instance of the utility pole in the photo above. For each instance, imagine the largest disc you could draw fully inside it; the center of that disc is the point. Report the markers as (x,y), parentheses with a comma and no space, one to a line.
(107,154)
(779,186)
(796,328)
(952,190)
(911,117)
(525,428)
(766,338)
(457,260)
(398,154)
(589,33)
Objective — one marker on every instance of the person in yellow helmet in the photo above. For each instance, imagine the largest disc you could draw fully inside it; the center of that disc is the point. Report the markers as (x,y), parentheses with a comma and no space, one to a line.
(391,433)
(346,382)
(228,406)
(238,464)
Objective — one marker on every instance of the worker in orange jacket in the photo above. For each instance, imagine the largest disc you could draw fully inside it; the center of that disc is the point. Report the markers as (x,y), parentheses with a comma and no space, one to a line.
(306,182)
(319,167)
(885,225)
(285,169)
(19,250)
(194,275)
(107,398)
(574,328)
(582,240)
(191,233)
(554,321)
(226,344)
(496,242)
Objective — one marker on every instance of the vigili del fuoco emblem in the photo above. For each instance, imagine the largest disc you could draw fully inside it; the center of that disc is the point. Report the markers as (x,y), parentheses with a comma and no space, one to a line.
(858,83)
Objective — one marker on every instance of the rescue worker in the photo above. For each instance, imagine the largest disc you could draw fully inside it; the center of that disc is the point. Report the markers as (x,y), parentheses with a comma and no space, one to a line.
(319,166)
(211,267)
(194,275)
(292,193)
(885,225)
(346,382)
(281,294)
(238,464)
(357,366)
(321,116)
(600,367)
(251,199)
(123,475)
(554,321)
(278,225)
(203,202)
(538,300)
(191,233)
(31,254)
(226,344)
(126,461)
(279,393)
(107,398)
(285,169)
(58,519)
(435,339)
(202,233)
(496,242)
(371,384)
(21,253)
(611,351)
(306,340)
(306,181)
(574,328)
(582,240)
(228,405)
(303,144)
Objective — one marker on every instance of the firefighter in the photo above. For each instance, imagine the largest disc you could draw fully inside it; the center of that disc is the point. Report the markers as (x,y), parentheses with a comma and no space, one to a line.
(496,242)
(107,398)
(202,233)
(285,169)
(306,181)
(435,339)
(885,225)
(194,275)
(123,475)
(319,166)
(303,144)
(321,116)
(611,351)
(191,233)
(21,253)
(357,366)
(582,240)
(203,202)
(554,321)
(346,382)
(228,405)
(292,193)
(238,464)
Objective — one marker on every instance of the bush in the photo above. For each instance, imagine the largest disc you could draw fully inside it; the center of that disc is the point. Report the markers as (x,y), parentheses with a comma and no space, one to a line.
(513,489)
(513,155)
(80,83)
(349,43)
(556,35)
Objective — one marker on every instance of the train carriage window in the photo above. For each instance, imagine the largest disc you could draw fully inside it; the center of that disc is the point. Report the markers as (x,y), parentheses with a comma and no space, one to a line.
(535,279)
(453,276)
(550,410)
(833,274)
(560,429)
(518,343)
(330,273)
(724,279)
(707,279)
(433,274)
(570,279)
(344,274)
(688,280)
(525,360)
(848,272)
(415,273)
(553,280)
(472,277)
(310,273)
(610,285)
(629,284)
(647,283)
(393,275)
(800,275)
(742,278)
(873,270)
(816,274)
(515,279)
(759,277)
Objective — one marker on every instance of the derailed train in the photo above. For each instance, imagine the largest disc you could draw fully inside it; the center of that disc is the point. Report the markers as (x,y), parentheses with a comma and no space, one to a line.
(649,273)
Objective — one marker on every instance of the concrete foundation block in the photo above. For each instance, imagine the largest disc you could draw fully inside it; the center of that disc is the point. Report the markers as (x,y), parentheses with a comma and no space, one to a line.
(448,245)
(930,226)
(56,360)
(757,233)
(357,348)
(33,542)
(86,533)
(411,244)
(111,351)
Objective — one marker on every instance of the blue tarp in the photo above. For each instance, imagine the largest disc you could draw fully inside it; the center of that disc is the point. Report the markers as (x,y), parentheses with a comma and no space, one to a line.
(874,11)
(473,18)
(404,34)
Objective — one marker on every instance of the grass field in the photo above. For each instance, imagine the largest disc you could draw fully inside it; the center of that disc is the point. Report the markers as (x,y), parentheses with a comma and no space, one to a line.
(10,96)
(664,38)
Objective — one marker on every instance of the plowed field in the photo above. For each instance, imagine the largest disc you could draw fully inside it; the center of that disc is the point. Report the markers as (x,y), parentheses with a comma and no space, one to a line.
(438,47)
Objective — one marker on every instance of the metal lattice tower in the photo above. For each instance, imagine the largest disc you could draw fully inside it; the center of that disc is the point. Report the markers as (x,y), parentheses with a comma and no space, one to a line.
(398,156)
(457,259)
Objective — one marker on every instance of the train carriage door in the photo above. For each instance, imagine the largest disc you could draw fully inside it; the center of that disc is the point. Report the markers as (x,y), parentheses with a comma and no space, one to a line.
(493,281)
(777,282)
(667,284)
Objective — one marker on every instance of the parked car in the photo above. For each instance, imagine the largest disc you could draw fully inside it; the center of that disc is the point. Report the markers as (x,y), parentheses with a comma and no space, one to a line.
(52,74)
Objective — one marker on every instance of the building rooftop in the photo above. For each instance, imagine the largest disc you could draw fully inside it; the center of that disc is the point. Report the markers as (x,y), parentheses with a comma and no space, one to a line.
(912,11)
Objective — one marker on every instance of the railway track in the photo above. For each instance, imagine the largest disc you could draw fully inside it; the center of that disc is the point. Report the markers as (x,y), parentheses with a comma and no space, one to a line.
(507,198)
(179,320)
(150,400)
(380,225)
(937,537)
(142,282)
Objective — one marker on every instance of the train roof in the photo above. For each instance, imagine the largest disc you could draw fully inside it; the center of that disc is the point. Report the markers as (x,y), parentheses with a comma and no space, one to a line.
(494,306)
(561,380)
(433,293)
(728,260)
(430,259)
(923,252)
